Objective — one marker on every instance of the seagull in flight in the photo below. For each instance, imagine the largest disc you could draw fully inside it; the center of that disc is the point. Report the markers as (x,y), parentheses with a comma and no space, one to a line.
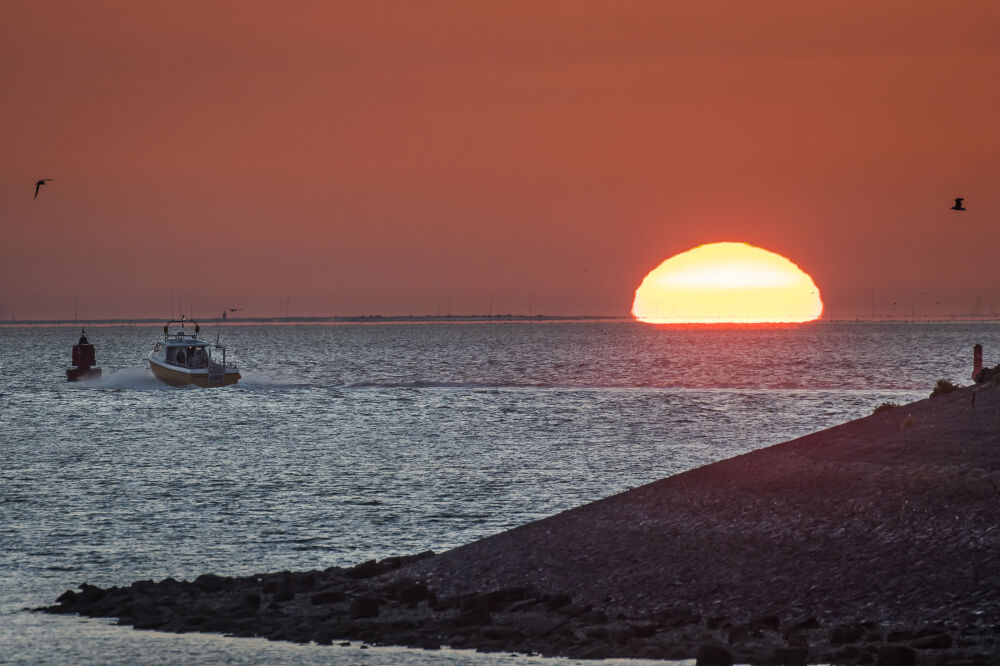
(958,203)
(40,183)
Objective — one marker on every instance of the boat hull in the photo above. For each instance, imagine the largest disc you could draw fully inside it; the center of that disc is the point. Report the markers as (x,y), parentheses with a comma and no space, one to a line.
(178,377)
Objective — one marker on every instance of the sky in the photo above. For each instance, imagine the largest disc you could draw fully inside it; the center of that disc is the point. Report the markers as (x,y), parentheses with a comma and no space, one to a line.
(354,158)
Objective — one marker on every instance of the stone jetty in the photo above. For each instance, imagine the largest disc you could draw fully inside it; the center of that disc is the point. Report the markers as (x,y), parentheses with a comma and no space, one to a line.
(874,542)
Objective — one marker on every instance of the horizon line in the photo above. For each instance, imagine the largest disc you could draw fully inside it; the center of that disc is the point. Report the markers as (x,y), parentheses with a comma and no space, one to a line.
(473,318)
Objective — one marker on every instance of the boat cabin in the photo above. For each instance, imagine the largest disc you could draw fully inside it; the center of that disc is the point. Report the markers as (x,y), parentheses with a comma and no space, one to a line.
(186,352)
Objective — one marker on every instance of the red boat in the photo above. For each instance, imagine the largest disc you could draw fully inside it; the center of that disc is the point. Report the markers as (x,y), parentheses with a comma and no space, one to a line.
(84,361)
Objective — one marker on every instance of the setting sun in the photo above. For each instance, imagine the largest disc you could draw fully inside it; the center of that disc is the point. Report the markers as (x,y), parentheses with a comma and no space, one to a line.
(727,283)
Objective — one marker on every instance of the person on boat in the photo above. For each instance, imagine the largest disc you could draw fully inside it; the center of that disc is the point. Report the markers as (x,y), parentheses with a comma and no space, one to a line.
(181,358)
(200,358)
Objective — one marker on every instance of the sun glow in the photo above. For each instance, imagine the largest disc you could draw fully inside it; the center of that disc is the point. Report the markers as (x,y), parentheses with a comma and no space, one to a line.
(727,283)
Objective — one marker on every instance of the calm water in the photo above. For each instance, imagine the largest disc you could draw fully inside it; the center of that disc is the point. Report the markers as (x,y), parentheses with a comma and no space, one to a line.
(344,443)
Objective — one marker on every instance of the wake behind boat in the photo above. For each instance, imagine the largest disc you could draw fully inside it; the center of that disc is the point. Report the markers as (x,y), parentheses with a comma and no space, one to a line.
(180,358)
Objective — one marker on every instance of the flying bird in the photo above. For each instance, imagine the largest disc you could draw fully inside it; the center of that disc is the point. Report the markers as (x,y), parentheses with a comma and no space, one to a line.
(40,183)
(958,203)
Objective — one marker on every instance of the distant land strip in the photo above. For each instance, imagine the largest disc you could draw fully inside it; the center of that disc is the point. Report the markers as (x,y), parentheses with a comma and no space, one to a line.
(359,319)
(474,318)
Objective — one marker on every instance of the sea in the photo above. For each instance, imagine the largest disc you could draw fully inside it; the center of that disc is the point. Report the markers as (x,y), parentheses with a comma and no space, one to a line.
(347,442)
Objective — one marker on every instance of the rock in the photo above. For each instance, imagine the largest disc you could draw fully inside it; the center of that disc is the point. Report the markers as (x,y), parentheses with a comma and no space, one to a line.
(766,622)
(90,594)
(507,595)
(679,618)
(499,632)
(807,624)
(896,655)
(599,633)
(557,601)
(792,656)
(846,633)
(301,582)
(938,642)
(589,652)
(714,655)
(67,597)
(208,582)
(621,634)
(522,605)
(473,617)
(252,600)
(327,597)
(721,622)
(470,601)
(368,569)
(365,606)
(572,610)
(595,617)
(410,559)
(643,630)
(414,593)
(738,633)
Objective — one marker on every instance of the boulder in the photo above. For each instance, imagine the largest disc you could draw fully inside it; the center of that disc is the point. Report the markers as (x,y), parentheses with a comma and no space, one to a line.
(846,633)
(643,629)
(411,593)
(557,601)
(90,594)
(714,655)
(936,642)
(770,622)
(365,606)
(208,582)
(896,655)
(327,597)
(473,617)
(792,655)
(368,569)
(68,597)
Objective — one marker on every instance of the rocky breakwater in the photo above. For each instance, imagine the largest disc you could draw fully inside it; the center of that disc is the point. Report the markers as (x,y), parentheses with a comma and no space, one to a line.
(874,542)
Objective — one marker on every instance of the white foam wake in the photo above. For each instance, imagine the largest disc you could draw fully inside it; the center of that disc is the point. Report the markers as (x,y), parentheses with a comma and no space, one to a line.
(128,378)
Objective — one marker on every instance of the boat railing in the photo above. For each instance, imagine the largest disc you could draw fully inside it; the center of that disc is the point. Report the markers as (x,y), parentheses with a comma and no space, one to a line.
(183,322)
(225,363)
(210,364)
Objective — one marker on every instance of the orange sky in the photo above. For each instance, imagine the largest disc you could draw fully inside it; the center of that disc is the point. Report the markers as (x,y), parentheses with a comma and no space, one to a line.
(381,157)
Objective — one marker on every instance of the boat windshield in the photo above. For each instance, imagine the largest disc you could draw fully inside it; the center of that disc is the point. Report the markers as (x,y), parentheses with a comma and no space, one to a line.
(191,356)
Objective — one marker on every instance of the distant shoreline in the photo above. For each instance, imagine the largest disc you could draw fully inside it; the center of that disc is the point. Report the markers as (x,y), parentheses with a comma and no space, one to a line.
(460,319)
(360,319)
